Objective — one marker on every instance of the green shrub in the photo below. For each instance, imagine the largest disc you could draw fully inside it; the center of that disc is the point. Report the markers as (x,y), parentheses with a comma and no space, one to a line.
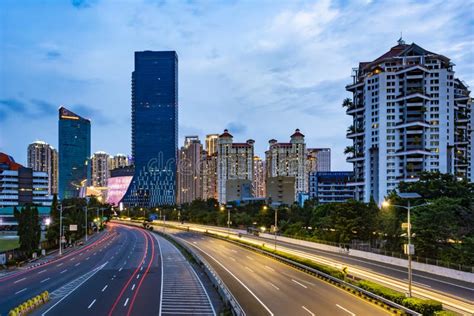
(426,307)
(380,290)
(444,313)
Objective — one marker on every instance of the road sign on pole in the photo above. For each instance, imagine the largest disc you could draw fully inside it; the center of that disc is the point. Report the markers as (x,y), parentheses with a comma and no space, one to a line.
(73,228)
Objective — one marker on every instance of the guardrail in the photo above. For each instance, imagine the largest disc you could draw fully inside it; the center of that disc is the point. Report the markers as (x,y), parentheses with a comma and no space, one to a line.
(29,305)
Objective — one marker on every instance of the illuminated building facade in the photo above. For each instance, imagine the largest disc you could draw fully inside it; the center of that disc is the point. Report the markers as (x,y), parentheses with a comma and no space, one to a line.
(189,164)
(100,169)
(43,157)
(258,184)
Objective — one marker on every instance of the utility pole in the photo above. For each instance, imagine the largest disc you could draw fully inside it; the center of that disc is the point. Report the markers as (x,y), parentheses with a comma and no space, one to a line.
(409,249)
(86,221)
(60,208)
(275,228)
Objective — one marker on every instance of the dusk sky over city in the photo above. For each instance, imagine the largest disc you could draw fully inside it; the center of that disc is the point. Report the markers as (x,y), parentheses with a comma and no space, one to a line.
(259,68)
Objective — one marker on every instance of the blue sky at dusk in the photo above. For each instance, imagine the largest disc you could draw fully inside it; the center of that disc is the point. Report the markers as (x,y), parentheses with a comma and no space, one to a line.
(259,68)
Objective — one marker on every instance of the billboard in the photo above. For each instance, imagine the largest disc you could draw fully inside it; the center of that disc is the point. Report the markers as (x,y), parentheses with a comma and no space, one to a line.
(117,187)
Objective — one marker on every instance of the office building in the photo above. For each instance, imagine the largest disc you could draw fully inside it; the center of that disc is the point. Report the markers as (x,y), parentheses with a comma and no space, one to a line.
(100,169)
(189,173)
(234,161)
(43,157)
(410,114)
(258,184)
(154,129)
(20,185)
(330,186)
(319,159)
(74,153)
(289,160)
(281,190)
(118,161)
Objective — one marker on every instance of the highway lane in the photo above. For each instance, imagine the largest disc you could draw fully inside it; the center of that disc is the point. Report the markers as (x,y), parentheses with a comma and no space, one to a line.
(264,286)
(20,286)
(429,282)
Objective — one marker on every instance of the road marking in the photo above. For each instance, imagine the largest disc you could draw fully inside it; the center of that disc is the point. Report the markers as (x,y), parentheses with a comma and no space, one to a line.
(104,287)
(234,250)
(133,286)
(17,281)
(90,305)
(310,312)
(59,264)
(276,287)
(77,264)
(72,258)
(138,275)
(87,258)
(232,258)
(63,271)
(250,258)
(112,257)
(120,269)
(43,271)
(249,269)
(126,302)
(141,268)
(267,267)
(45,280)
(299,283)
(348,311)
(20,291)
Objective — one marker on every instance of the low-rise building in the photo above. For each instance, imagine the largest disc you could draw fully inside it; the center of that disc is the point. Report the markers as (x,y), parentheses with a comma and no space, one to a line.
(238,190)
(280,190)
(330,187)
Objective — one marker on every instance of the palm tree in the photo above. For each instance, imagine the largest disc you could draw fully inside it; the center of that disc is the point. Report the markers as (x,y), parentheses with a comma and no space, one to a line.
(349,150)
(346,103)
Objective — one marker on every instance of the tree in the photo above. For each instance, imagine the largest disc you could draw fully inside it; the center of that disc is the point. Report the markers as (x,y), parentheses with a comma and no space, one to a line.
(29,228)
(52,232)
(346,103)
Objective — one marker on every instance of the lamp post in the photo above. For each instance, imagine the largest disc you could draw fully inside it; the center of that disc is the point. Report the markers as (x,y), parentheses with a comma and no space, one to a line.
(276,227)
(61,230)
(409,248)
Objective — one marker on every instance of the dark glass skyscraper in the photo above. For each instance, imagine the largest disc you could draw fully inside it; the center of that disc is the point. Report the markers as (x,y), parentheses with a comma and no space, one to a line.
(154,129)
(74,152)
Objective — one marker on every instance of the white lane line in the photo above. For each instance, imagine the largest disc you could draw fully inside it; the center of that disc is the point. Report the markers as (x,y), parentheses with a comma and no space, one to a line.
(77,264)
(233,275)
(120,269)
(72,258)
(310,312)
(20,291)
(250,258)
(346,310)
(138,276)
(59,264)
(92,303)
(133,286)
(268,268)
(112,257)
(126,302)
(43,271)
(299,283)
(45,280)
(63,271)
(17,281)
(104,287)
(141,268)
(249,269)
(87,258)
(232,258)
(276,287)
(234,250)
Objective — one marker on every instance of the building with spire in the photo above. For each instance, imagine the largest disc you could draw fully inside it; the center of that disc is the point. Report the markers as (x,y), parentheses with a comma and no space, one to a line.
(409,114)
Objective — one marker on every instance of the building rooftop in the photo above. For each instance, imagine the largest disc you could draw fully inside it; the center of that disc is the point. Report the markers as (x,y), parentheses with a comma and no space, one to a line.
(65,114)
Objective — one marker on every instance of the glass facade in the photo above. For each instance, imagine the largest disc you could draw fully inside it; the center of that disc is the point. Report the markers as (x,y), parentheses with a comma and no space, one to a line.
(74,153)
(154,129)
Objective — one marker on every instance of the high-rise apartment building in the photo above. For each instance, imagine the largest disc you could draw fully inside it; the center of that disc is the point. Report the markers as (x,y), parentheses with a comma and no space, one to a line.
(154,129)
(258,185)
(289,160)
(118,161)
(410,114)
(189,173)
(234,161)
(211,143)
(208,172)
(100,169)
(74,153)
(43,157)
(319,159)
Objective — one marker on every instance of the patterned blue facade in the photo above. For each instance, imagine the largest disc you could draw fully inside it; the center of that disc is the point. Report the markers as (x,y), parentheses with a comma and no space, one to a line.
(154,129)
(74,153)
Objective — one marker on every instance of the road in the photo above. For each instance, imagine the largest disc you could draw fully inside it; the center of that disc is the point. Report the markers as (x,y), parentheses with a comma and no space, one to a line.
(119,273)
(264,286)
(455,294)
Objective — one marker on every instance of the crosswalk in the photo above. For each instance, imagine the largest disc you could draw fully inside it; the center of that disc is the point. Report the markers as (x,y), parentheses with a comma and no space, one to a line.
(183,293)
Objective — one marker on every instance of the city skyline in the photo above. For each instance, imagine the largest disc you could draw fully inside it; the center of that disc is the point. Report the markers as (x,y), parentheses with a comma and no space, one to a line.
(287,88)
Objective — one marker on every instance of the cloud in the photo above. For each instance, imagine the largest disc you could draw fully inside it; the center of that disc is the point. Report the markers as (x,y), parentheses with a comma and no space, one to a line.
(92,113)
(45,107)
(236,128)
(53,55)
(13,106)
(83,4)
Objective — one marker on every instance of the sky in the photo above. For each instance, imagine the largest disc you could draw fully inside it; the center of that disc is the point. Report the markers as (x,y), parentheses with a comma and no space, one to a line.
(259,68)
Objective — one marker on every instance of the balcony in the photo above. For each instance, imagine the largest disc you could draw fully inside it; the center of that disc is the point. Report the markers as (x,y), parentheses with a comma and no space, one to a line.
(413,122)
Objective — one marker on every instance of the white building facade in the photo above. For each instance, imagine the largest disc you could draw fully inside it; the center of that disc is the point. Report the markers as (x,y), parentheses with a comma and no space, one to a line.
(100,169)
(406,111)
(43,157)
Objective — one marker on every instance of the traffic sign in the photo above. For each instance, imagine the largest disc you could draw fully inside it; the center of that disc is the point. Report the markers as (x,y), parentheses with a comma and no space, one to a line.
(405,226)
(344,270)
(73,228)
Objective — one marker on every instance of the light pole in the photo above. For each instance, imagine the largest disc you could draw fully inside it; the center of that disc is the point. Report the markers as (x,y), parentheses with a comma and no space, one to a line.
(60,207)
(85,209)
(409,248)
(276,227)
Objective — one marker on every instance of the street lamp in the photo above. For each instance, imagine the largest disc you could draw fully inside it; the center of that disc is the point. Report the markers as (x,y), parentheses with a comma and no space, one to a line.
(61,230)
(222,208)
(409,248)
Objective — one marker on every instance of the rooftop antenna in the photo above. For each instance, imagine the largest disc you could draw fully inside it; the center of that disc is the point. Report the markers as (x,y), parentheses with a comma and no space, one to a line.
(400,40)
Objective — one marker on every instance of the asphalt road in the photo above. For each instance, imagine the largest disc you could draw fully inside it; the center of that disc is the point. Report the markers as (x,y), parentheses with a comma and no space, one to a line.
(264,286)
(119,273)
